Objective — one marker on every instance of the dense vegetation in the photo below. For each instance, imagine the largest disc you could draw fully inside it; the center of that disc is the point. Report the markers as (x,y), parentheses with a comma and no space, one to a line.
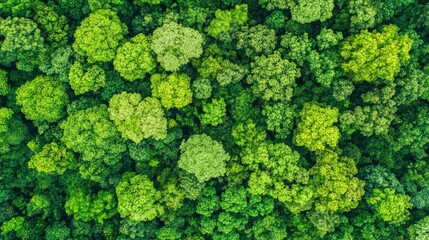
(214,119)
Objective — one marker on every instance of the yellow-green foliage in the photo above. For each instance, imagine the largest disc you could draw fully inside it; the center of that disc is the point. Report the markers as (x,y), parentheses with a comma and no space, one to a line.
(316,129)
(371,56)
(98,36)
(137,118)
(174,90)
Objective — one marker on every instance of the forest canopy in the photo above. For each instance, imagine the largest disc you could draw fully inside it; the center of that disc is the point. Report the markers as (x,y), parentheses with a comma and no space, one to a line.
(214,119)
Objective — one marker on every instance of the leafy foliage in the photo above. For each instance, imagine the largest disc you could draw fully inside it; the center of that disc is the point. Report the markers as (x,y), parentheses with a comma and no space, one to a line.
(364,52)
(42,99)
(134,59)
(175,45)
(204,119)
(137,119)
(273,78)
(174,90)
(315,130)
(99,35)
(203,157)
(137,198)
(91,133)
(84,80)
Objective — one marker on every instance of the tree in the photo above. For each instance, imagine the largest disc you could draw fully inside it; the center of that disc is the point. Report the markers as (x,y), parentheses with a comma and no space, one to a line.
(133,230)
(91,133)
(276,20)
(176,45)
(411,133)
(225,19)
(137,198)
(327,38)
(378,177)
(120,6)
(59,63)
(419,230)
(15,224)
(316,129)
(39,204)
(416,183)
(280,118)
(142,2)
(223,70)
(57,231)
(273,78)
(23,43)
(214,112)
(372,56)
(201,88)
(85,79)
(208,203)
(53,158)
(202,156)
(99,35)
(390,206)
(17,8)
(12,131)
(4,86)
(306,11)
(275,4)
(75,10)
(257,40)
(86,206)
(367,14)
(137,119)
(270,227)
(55,26)
(42,99)
(334,182)
(299,47)
(135,59)
(174,90)
(375,117)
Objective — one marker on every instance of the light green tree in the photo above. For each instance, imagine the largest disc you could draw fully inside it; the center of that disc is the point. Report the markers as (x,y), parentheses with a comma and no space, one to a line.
(225,19)
(54,158)
(142,2)
(175,45)
(87,206)
(203,157)
(316,130)
(371,56)
(137,198)
(306,11)
(419,230)
(336,187)
(85,79)
(99,35)
(42,99)
(135,58)
(137,119)
(174,90)
(201,88)
(390,206)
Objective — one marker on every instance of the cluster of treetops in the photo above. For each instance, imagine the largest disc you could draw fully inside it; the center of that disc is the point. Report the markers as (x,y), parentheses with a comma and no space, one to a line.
(214,119)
